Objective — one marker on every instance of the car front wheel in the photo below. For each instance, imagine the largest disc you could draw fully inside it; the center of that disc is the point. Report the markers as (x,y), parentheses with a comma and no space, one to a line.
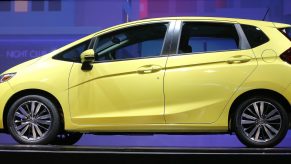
(261,122)
(33,119)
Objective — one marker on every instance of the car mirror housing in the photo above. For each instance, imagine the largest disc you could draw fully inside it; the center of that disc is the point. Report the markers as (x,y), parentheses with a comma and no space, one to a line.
(87,58)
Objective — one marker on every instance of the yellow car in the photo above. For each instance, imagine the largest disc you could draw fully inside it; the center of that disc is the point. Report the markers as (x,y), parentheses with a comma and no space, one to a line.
(162,75)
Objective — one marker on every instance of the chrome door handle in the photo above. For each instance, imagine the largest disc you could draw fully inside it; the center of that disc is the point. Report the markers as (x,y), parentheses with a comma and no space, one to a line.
(149,69)
(238,59)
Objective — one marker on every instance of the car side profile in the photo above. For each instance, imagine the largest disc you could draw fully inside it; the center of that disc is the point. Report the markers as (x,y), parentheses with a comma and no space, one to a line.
(161,75)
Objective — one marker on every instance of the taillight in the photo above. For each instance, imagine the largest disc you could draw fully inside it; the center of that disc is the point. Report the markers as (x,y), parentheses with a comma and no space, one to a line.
(286,56)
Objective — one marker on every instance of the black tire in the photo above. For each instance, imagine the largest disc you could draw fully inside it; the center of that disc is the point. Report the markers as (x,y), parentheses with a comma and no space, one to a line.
(38,116)
(67,138)
(265,128)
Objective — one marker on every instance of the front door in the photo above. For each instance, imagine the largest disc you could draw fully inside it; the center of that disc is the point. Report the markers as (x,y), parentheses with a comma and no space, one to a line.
(125,85)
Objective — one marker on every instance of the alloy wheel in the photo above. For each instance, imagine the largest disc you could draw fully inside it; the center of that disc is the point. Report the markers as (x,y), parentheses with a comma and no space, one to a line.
(261,121)
(32,120)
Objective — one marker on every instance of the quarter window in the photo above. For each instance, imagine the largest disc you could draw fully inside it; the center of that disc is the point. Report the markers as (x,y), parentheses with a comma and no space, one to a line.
(254,35)
(73,54)
(207,37)
(131,43)
(286,32)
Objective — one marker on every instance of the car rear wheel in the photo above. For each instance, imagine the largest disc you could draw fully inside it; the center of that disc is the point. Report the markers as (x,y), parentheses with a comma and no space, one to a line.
(67,138)
(261,122)
(33,119)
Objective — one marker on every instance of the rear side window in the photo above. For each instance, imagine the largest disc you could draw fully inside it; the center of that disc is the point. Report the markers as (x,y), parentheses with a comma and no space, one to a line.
(286,32)
(207,37)
(255,36)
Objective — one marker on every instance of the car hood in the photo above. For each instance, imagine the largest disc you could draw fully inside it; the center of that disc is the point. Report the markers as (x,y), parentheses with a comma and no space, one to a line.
(22,66)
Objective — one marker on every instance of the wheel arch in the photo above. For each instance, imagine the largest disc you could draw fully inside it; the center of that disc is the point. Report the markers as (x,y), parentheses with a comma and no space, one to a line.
(32,92)
(267,92)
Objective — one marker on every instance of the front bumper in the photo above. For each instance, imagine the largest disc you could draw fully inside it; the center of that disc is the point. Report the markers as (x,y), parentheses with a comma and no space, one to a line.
(5,93)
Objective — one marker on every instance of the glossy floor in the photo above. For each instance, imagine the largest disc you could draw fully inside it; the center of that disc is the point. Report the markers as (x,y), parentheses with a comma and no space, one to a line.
(221,140)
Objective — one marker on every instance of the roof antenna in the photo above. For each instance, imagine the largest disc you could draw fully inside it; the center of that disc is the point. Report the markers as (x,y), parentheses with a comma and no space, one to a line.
(266,14)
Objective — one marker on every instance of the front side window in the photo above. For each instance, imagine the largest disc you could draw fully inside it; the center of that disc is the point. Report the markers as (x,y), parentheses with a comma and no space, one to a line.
(131,43)
(206,37)
(73,53)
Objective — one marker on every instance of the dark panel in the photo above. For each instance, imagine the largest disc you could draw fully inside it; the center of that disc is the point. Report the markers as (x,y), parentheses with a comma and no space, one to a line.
(55,5)
(5,6)
(71,154)
(37,5)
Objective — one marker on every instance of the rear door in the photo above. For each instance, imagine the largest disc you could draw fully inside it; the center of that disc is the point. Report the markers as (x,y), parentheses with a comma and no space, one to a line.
(212,60)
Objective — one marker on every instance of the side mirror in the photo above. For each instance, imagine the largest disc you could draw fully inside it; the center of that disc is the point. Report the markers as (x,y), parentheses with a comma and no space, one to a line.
(87,58)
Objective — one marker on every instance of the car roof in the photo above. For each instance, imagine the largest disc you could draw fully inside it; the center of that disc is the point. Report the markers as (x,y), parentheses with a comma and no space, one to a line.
(258,23)
(221,19)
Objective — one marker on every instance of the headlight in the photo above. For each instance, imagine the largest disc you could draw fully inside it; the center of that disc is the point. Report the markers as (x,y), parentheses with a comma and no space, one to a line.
(6,77)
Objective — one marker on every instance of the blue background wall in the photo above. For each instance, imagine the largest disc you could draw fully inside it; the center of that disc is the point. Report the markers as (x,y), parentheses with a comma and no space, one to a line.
(31,28)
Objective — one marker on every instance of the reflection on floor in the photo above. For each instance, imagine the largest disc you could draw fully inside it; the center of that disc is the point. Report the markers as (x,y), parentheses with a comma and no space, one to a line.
(221,140)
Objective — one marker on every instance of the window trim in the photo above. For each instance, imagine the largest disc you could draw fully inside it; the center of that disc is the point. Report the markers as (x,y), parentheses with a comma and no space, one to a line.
(129,59)
(166,47)
(243,42)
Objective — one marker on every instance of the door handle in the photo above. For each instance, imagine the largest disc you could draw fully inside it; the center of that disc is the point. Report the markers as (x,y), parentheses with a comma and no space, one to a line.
(149,69)
(156,68)
(238,59)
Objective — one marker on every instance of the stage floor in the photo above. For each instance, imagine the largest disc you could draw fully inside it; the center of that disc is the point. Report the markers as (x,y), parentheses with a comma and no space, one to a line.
(20,153)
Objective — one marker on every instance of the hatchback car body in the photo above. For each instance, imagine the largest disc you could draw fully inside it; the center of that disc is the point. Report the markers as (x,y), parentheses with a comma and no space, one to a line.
(162,75)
